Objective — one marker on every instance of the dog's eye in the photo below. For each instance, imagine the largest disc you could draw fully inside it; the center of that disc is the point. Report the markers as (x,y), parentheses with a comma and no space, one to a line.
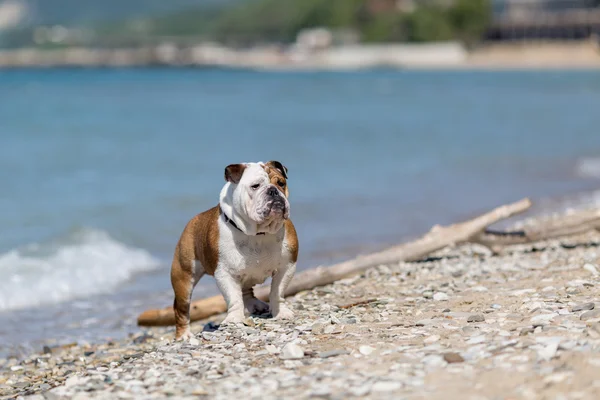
(281,183)
(255,186)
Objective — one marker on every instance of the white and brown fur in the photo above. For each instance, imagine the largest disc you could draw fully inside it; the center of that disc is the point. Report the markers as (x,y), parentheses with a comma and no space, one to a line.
(238,258)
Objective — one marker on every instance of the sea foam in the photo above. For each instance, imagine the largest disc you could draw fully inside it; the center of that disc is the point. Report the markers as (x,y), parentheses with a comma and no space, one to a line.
(84,263)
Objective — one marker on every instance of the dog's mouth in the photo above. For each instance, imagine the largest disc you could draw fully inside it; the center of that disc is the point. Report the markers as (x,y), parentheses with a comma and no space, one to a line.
(276,209)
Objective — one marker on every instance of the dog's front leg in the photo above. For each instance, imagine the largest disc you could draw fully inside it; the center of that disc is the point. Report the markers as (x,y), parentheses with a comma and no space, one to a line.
(280,282)
(231,288)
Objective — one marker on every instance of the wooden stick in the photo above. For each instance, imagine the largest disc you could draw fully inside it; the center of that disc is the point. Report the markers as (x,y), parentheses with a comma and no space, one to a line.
(438,238)
(200,309)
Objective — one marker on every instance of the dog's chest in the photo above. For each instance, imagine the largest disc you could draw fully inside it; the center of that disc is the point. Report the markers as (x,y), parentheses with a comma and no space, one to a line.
(253,258)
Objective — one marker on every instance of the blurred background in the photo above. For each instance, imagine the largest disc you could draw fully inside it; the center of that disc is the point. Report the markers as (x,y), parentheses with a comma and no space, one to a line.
(117,119)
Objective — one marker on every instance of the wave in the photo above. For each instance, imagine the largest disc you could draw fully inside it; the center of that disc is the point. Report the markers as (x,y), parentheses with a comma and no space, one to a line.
(84,263)
(589,168)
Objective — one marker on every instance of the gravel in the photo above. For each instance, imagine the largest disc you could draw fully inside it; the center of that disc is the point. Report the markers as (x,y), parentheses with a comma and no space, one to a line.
(463,324)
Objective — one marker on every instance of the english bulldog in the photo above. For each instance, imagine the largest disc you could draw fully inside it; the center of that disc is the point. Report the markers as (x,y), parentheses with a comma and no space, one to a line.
(241,242)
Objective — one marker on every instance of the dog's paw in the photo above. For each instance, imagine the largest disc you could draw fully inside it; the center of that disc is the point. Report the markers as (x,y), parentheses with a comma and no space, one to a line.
(256,307)
(184,336)
(237,318)
(283,313)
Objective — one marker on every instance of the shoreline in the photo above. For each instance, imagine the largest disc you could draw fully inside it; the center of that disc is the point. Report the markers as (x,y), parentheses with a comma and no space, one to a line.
(125,316)
(434,56)
(432,327)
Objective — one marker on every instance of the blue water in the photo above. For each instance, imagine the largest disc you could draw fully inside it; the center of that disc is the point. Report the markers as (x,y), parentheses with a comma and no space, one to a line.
(101,169)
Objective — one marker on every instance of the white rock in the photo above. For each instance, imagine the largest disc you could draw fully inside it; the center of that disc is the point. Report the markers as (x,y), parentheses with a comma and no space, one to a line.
(591,268)
(567,345)
(431,339)
(194,341)
(386,386)
(542,319)
(579,283)
(291,351)
(517,293)
(72,381)
(329,329)
(532,305)
(434,360)
(360,391)
(271,349)
(366,350)
(547,353)
(557,377)
(477,339)
(440,296)
(321,391)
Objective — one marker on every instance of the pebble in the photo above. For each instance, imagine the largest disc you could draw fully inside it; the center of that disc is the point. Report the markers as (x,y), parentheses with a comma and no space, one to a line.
(199,391)
(592,314)
(271,349)
(526,331)
(452,358)
(469,330)
(386,386)
(333,353)
(476,318)
(320,391)
(291,351)
(535,332)
(582,307)
(548,352)
(542,319)
(318,328)
(431,339)
(329,329)
(591,268)
(440,296)
(360,391)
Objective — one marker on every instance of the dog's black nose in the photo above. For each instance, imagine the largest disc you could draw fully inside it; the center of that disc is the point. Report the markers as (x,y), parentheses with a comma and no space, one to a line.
(273,192)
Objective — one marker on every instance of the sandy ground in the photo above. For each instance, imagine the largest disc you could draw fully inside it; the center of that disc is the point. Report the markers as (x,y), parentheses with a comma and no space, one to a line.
(451,55)
(585,55)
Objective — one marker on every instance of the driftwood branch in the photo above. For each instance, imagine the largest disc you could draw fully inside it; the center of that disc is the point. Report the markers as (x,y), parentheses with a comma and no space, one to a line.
(473,231)
(567,225)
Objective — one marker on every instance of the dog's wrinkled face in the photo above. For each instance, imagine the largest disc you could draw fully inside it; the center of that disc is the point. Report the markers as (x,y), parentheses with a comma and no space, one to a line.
(258,193)
(278,176)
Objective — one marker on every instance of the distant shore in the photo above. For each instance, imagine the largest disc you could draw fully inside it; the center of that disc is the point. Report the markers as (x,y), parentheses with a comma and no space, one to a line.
(402,56)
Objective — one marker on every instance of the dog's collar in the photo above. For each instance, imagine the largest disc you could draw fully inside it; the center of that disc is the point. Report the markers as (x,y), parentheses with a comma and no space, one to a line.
(230,221)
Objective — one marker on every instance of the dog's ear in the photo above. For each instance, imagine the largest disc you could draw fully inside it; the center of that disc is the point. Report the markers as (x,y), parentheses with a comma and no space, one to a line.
(278,166)
(234,172)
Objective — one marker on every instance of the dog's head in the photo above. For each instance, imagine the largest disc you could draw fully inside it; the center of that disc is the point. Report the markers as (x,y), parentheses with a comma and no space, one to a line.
(255,196)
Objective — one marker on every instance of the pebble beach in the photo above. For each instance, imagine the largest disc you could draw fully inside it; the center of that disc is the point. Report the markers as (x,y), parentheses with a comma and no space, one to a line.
(464,323)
